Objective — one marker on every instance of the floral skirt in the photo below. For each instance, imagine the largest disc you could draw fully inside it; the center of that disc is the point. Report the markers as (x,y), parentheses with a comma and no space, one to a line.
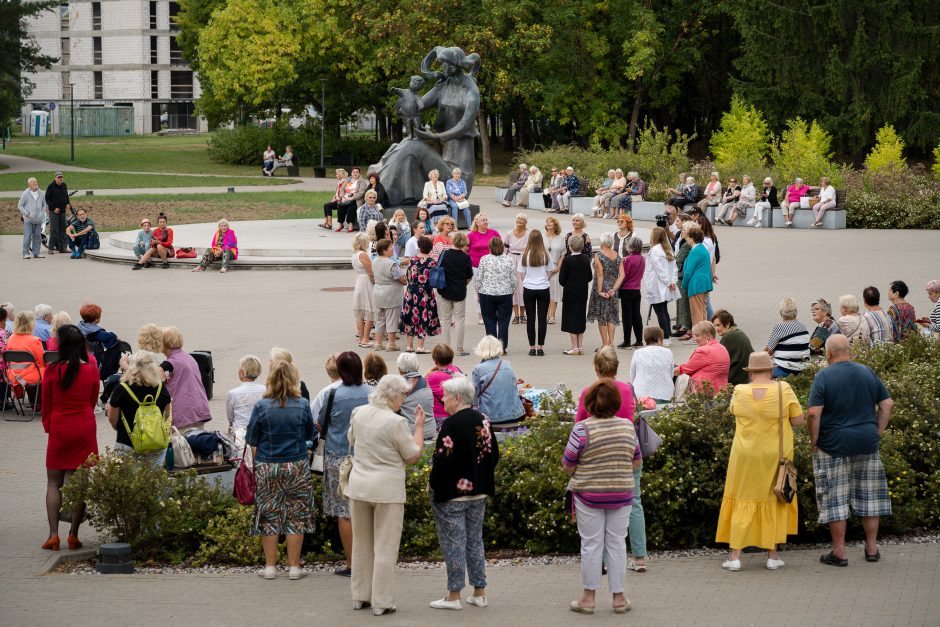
(283,499)
(334,503)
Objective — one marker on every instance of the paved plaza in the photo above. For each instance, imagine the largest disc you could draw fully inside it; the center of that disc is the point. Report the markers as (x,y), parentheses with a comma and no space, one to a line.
(310,313)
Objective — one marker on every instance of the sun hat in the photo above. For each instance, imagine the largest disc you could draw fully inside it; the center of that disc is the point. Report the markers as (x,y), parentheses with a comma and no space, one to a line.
(147,220)
(759,361)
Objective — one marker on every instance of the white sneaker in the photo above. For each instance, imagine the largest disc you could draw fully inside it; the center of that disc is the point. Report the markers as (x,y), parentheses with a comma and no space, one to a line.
(444,604)
(667,342)
(268,572)
(732,565)
(478,601)
(757,225)
(774,564)
(296,573)
(750,222)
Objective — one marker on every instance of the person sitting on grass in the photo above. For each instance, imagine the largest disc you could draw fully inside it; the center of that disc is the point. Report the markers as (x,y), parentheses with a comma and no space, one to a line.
(224,247)
(79,232)
(161,244)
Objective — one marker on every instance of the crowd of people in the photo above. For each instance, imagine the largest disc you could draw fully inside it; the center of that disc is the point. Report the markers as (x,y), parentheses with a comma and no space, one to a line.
(46,221)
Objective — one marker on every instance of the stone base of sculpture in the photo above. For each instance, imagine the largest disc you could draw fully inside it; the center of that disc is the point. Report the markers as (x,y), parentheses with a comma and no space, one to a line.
(412,210)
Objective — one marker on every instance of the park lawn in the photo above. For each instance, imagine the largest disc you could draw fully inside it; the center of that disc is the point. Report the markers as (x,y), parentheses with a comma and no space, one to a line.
(183,154)
(117,180)
(122,213)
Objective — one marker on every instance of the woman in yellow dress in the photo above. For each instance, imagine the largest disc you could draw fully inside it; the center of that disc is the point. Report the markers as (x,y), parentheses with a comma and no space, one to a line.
(750,514)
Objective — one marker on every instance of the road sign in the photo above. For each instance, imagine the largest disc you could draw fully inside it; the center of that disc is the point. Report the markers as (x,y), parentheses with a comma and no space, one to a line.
(52,106)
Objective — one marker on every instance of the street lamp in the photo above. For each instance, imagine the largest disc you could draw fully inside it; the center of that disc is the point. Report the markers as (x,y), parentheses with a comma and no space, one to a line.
(322,118)
(72,114)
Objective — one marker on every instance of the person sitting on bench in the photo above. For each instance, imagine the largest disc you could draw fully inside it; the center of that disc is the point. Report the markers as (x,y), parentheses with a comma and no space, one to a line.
(287,159)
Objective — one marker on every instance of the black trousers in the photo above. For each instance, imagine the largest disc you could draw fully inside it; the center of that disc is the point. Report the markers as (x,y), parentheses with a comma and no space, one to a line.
(536,302)
(496,311)
(662,316)
(632,319)
(346,212)
(57,239)
(329,208)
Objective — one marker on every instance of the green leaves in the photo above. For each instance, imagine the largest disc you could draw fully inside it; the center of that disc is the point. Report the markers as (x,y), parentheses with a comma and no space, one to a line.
(803,150)
(887,155)
(743,140)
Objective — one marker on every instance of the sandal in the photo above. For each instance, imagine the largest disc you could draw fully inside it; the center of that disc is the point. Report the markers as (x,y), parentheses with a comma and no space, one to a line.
(623,609)
(422,351)
(551,321)
(580,609)
(515,320)
(832,560)
(328,227)
(637,568)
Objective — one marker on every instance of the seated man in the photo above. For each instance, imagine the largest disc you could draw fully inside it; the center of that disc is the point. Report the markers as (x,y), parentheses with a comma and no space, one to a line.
(286,159)
(515,186)
(43,328)
(709,363)
(601,191)
(571,187)
(80,231)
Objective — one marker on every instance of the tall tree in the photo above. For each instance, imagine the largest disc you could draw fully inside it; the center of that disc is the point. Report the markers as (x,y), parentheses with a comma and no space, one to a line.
(19,54)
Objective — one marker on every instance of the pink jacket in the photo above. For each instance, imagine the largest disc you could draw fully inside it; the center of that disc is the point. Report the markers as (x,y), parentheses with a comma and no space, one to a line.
(708,363)
(794,193)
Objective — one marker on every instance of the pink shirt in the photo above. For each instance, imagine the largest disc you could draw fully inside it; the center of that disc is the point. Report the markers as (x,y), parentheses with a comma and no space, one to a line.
(627,403)
(708,363)
(436,383)
(633,268)
(480,245)
(794,193)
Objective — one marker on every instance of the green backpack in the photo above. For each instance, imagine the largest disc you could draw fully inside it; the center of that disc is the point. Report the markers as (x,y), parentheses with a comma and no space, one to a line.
(151,430)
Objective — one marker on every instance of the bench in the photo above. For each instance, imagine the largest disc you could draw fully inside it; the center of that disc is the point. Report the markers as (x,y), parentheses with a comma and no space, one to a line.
(292,170)
(803,218)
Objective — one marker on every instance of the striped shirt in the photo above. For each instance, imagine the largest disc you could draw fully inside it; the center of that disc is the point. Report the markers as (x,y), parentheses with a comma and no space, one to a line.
(601,457)
(789,343)
(934,325)
(876,328)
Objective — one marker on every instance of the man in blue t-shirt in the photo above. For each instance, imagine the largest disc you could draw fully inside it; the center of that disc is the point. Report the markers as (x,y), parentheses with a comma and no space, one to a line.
(849,408)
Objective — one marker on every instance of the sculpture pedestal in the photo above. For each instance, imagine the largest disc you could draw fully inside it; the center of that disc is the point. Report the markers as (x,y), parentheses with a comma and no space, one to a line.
(412,210)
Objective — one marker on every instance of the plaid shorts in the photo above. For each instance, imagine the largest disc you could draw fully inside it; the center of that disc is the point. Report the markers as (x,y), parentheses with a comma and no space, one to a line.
(857,481)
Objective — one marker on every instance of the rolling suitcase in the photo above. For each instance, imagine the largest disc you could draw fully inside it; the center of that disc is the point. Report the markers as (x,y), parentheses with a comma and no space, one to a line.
(206,370)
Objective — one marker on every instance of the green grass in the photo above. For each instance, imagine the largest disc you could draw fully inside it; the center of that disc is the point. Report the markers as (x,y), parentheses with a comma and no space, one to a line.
(117,180)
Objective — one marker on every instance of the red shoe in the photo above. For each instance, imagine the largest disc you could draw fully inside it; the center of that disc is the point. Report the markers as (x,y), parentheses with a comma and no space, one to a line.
(52,544)
(74,542)
(340,229)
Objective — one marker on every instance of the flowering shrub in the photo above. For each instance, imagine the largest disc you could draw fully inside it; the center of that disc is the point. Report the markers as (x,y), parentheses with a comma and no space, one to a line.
(899,199)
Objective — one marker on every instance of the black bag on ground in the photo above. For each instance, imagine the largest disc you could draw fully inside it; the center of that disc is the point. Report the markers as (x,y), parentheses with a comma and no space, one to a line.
(206,370)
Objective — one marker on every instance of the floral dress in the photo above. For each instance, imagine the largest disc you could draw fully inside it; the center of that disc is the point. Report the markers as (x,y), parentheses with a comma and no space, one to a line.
(606,310)
(419,310)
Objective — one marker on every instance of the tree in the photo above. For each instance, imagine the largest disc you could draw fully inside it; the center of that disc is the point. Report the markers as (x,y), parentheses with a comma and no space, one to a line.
(804,150)
(19,54)
(887,155)
(936,161)
(743,139)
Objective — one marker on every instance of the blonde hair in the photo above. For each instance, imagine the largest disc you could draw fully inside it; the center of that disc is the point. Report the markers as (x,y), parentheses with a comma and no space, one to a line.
(606,362)
(788,308)
(24,323)
(63,318)
(474,226)
(489,348)
(224,221)
(849,302)
(460,240)
(250,366)
(172,338)
(704,327)
(360,242)
(445,220)
(150,338)
(281,354)
(330,366)
(535,254)
(396,218)
(556,225)
(283,382)
(143,368)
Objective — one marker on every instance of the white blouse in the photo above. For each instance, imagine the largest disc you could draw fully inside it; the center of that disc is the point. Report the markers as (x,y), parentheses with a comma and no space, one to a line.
(651,372)
(496,276)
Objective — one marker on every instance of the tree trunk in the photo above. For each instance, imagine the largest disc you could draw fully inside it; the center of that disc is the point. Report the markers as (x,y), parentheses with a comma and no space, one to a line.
(484,143)
(635,115)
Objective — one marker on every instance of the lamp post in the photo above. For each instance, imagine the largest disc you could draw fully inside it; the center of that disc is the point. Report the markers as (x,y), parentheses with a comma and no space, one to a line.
(72,116)
(322,118)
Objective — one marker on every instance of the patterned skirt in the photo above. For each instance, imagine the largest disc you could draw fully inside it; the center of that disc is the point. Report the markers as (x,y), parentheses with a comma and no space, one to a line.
(283,499)
(334,503)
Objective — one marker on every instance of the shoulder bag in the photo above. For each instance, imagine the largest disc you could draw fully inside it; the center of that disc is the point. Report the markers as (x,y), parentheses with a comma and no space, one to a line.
(182,453)
(785,483)
(436,277)
(316,463)
(245,483)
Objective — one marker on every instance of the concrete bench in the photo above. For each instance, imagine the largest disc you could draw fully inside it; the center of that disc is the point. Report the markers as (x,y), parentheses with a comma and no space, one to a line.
(803,218)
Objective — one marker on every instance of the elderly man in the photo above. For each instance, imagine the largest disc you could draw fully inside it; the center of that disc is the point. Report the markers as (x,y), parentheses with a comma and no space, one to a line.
(43,328)
(849,409)
(57,201)
(876,326)
(561,200)
(32,208)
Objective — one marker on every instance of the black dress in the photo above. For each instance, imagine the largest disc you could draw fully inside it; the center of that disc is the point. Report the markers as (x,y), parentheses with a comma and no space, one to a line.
(381,196)
(575,277)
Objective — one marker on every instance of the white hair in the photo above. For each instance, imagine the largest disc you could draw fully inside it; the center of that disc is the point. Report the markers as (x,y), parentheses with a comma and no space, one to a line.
(456,171)
(607,239)
(143,368)
(769,180)
(41,311)
(224,221)
(577,216)
(31,179)
(797,180)
(689,180)
(460,386)
(434,171)
(386,389)
(489,348)
(715,174)
(632,174)
(407,362)
(523,166)
(523,216)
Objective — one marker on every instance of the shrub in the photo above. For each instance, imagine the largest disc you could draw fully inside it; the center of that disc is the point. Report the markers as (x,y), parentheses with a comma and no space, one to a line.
(228,540)
(900,199)
(886,156)
(804,150)
(163,516)
(742,141)
(661,156)
(936,161)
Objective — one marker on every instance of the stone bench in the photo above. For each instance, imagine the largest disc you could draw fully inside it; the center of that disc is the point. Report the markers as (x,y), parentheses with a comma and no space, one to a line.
(803,218)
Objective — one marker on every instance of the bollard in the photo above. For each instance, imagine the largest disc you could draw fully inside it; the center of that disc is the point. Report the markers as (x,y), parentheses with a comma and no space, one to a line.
(89,193)
(115,559)
(231,190)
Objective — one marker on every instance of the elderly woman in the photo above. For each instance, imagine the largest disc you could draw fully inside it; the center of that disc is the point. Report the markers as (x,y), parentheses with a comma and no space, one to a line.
(24,374)
(600,458)
(434,197)
(598,200)
(575,278)
(623,234)
(281,424)
(708,365)
(788,344)
(373,369)
(900,313)
(791,200)
(141,378)
(161,244)
(577,228)
(745,201)
(608,277)
(516,241)
(268,157)
(728,200)
(751,514)
(651,368)
(240,401)
(736,342)
(850,321)
(382,444)
(932,325)
(445,228)
(533,185)
(334,427)
(417,395)
(442,370)
(363,298)
(352,193)
(462,476)
(633,268)
(515,186)
(825,326)
(712,193)
(452,299)
(617,191)
(142,241)
(58,321)
(660,277)
(457,196)
(370,210)
(387,295)
(190,404)
(682,248)
(827,201)
(494,382)
(561,200)
(556,181)
(375,184)
(686,194)
(495,282)
(419,310)
(766,202)
(69,392)
(479,245)
(224,248)
(333,205)
(697,275)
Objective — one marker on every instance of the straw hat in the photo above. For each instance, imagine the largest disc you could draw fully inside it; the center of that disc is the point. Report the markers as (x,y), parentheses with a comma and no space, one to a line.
(759,361)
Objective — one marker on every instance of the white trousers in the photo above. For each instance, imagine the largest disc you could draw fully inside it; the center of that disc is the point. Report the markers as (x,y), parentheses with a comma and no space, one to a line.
(759,209)
(603,532)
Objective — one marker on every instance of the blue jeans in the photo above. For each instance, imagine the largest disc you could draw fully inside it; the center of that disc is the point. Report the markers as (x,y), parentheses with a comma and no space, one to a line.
(460,530)
(709,312)
(79,243)
(32,238)
(497,311)
(780,373)
(454,209)
(637,529)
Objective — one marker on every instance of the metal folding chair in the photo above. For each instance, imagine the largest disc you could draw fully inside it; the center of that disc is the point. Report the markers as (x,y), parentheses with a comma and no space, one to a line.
(19,362)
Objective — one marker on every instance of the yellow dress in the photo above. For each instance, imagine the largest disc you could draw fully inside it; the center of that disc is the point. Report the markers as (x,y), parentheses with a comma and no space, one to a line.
(750,514)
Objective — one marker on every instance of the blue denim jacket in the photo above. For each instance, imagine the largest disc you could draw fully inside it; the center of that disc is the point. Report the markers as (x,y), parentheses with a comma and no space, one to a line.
(500,401)
(280,433)
(346,399)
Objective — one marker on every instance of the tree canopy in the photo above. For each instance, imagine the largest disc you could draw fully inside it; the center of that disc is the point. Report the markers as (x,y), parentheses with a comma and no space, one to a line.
(19,54)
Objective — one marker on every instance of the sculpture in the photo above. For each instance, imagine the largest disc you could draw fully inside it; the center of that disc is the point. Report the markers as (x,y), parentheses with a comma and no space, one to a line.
(408,106)
(404,167)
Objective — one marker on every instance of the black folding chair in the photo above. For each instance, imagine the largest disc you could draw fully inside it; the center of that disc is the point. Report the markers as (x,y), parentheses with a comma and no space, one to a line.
(20,362)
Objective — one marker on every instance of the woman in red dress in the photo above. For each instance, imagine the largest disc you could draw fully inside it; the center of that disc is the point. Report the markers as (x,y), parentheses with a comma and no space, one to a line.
(69,392)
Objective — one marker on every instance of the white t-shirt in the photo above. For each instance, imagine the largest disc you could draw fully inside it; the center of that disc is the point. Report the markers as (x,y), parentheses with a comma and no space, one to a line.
(710,245)
(827,194)
(411,247)
(536,277)
(651,372)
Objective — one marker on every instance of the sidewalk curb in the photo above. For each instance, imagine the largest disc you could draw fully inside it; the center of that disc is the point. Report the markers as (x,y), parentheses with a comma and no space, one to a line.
(82,554)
